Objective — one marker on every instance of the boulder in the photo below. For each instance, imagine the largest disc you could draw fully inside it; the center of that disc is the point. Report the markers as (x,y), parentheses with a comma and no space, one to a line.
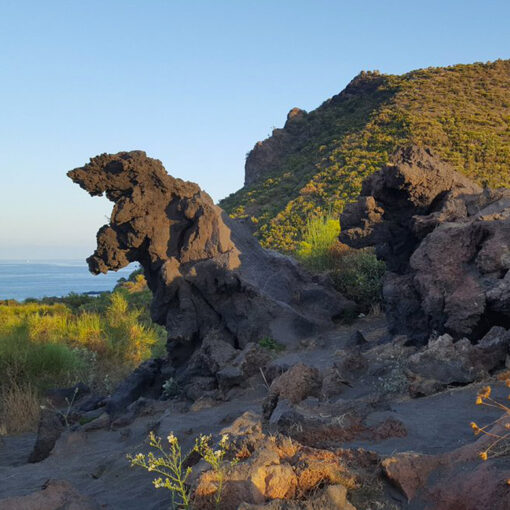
(443,362)
(137,384)
(206,271)
(454,480)
(446,244)
(294,385)
(409,471)
(297,383)
(229,376)
(67,397)
(49,430)
(271,468)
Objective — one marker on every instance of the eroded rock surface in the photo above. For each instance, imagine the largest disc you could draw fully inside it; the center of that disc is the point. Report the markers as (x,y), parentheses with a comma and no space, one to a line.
(274,468)
(207,272)
(54,495)
(446,243)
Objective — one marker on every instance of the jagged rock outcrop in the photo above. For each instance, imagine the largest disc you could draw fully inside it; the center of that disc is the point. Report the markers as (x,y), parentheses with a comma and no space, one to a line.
(446,243)
(268,155)
(206,272)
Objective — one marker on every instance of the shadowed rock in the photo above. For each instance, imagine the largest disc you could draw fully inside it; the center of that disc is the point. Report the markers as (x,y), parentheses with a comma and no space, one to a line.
(446,243)
(206,271)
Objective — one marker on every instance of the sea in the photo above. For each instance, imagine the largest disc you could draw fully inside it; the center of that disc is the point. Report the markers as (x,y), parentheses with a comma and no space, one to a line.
(21,279)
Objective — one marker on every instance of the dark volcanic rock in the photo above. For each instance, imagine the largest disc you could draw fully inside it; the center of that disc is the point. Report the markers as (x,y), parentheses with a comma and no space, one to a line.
(49,430)
(206,272)
(65,397)
(137,384)
(443,362)
(446,243)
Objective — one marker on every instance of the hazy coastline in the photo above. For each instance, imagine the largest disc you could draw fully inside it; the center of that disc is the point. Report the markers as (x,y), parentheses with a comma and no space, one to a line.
(22,279)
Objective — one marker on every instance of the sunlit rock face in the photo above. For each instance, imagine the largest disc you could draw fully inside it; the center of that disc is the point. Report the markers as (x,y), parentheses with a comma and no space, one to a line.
(446,243)
(206,271)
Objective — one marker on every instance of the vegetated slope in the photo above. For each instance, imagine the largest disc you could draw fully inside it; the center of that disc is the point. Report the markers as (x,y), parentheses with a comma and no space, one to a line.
(315,165)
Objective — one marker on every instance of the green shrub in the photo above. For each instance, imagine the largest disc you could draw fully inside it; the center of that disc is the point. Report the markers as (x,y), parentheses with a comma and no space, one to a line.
(53,345)
(43,365)
(271,345)
(319,235)
(358,276)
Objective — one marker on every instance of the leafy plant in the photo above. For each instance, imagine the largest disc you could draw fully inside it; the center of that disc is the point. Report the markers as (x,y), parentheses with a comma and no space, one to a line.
(50,345)
(357,274)
(170,462)
(216,459)
(271,344)
(318,237)
(170,388)
(170,465)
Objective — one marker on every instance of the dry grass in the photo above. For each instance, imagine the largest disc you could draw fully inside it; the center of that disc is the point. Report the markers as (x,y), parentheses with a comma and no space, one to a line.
(20,408)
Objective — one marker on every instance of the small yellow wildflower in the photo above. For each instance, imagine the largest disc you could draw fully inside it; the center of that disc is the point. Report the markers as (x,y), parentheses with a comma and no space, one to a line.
(479,401)
(483,455)
(485,392)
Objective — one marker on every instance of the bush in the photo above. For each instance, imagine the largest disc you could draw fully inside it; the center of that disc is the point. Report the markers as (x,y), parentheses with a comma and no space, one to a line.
(318,236)
(357,274)
(50,345)
(271,345)
(42,365)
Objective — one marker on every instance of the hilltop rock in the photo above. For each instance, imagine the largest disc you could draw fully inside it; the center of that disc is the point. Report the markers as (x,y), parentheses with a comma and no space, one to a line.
(446,243)
(206,272)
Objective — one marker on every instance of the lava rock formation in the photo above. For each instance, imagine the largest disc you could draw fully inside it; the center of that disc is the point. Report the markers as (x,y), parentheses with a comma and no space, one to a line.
(446,243)
(207,272)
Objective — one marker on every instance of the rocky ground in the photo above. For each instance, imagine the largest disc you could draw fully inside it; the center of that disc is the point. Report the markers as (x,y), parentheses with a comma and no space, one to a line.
(345,423)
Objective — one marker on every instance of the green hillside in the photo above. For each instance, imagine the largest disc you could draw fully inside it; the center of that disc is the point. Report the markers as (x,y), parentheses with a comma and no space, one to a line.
(315,165)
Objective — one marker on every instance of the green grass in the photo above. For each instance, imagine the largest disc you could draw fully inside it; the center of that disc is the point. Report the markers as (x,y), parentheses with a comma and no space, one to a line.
(51,345)
(271,345)
(357,274)
(319,236)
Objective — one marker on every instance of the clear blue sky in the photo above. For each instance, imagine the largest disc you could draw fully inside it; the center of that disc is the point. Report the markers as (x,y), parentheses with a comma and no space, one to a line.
(193,83)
